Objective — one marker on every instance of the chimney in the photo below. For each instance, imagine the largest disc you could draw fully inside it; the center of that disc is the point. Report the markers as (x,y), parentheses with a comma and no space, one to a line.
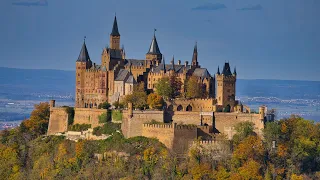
(179,62)
(186,63)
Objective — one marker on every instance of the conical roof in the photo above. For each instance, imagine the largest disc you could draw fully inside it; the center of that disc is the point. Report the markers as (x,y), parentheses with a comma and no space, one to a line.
(226,69)
(84,55)
(115,31)
(154,48)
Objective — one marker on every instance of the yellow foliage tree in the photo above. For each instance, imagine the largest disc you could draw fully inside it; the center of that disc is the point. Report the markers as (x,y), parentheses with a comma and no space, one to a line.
(155,101)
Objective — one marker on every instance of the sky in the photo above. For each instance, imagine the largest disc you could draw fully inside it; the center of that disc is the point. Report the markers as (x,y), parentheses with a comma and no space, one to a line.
(263,39)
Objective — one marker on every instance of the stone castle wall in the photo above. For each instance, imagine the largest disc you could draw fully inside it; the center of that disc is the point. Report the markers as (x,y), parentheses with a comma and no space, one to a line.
(132,126)
(224,122)
(175,137)
(88,116)
(58,121)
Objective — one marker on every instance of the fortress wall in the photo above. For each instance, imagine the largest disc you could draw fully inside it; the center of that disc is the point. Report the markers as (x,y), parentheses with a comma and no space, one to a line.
(58,121)
(88,116)
(132,126)
(224,122)
(164,133)
(183,138)
(206,104)
(186,117)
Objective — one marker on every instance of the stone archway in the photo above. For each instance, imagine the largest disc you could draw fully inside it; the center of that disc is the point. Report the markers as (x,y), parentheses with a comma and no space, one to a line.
(189,108)
(227,108)
(179,108)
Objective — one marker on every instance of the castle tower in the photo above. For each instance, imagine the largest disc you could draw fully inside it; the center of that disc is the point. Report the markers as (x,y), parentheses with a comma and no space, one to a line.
(194,62)
(226,88)
(115,35)
(82,64)
(154,51)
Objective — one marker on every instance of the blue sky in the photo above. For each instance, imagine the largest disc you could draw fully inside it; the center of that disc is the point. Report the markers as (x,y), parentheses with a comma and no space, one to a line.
(264,39)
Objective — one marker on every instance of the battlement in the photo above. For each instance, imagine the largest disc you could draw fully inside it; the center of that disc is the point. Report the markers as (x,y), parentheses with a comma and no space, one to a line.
(170,126)
(146,125)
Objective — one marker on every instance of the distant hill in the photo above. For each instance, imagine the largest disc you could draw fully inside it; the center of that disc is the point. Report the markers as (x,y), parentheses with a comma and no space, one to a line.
(36,80)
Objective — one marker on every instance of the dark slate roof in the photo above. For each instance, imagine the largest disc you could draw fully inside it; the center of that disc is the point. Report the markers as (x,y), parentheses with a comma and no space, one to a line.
(115,53)
(98,67)
(226,69)
(178,68)
(84,55)
(131,79)
(201,72)
(115,31)
(154,48)
(134,62)
(123,73)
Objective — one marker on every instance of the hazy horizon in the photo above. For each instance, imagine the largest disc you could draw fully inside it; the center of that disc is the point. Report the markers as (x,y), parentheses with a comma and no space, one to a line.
(262,39)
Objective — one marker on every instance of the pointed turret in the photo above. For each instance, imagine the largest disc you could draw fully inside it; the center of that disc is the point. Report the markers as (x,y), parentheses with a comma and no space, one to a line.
(195,56)
(235,71)
(154,50)
(84,55)
(115,35)
(115,30)
(163,65)
(226,69)
(172,65)
(218,71)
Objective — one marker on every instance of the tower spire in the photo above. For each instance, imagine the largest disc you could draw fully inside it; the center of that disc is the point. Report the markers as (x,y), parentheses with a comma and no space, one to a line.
(115,30)
(218,71)
(235,71)
(163,68)
(195,55)
(84,55)
(154,48)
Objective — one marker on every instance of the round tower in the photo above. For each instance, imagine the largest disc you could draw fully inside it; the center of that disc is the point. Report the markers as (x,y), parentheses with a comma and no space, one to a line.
(262,112)
(52,103)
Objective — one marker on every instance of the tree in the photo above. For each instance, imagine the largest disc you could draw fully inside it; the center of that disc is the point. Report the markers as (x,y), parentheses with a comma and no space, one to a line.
(138,97)
(38,122)
(169,87)
(244,129)
(163,87)
(155,101)
(194,88)
(104,105)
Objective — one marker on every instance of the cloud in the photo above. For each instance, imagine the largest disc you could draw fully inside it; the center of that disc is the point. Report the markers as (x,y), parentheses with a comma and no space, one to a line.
(209,7)
(31,3)
(251,8)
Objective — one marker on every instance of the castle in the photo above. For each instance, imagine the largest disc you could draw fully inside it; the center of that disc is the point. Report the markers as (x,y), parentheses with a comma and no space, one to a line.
(115,78)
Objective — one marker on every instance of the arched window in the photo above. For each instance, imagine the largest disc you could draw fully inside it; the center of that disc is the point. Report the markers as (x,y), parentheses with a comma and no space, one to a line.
(227,108)
(179,108)
(189,108)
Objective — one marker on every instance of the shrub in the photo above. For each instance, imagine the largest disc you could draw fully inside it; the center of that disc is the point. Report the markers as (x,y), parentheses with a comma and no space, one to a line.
(116,115)
(70,112)
(79,127)
(104,105)
(105,117)
(107,128)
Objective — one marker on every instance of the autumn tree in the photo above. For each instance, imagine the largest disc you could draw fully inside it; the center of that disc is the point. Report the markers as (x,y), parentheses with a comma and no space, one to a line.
(38,122)
(243,130)
(194,88)
(169,87)
(155,101)
(138,97)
